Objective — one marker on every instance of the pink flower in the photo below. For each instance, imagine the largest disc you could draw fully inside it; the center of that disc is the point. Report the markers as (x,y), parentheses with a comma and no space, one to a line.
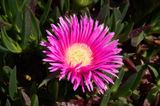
(83,52)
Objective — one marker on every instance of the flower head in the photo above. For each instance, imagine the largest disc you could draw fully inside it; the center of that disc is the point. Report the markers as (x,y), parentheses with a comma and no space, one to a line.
(83,52)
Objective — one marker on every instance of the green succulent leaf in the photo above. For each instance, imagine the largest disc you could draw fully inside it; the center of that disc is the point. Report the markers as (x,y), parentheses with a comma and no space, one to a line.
(47,9)
(155,71)
(117,83)
(135,40)
(13,84)
(3,49)
(152,93)
(34,100)
(7,103)
(9,43)
(106,98)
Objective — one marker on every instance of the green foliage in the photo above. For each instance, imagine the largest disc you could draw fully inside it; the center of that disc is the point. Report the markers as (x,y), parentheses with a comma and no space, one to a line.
(106,98)
(46,11)
(118,81)
(137,39)
(12,84)
(34,100)
(24,78)
(9,43)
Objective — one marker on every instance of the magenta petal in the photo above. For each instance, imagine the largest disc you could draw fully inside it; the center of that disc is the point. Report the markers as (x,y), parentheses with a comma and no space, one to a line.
(103,52)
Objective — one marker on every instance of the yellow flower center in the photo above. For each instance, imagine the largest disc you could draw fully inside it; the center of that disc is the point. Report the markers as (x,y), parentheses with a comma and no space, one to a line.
(79,53)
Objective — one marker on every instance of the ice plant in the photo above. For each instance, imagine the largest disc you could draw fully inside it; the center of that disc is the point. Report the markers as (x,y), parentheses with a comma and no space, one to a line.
(83,52)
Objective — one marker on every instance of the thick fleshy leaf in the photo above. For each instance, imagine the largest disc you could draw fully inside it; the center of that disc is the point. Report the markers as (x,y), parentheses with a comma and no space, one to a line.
(106,98)
(46,12)
(154,70)
(34,100)
(13,84)
(10,44)
(104,11)
(141,69)
(152,94)
(117,83)
(135,40)
(3,49)
(8,103)
(53,88)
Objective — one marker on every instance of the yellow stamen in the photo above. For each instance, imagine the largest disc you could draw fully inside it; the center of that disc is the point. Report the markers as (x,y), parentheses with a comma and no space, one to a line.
(79,53)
